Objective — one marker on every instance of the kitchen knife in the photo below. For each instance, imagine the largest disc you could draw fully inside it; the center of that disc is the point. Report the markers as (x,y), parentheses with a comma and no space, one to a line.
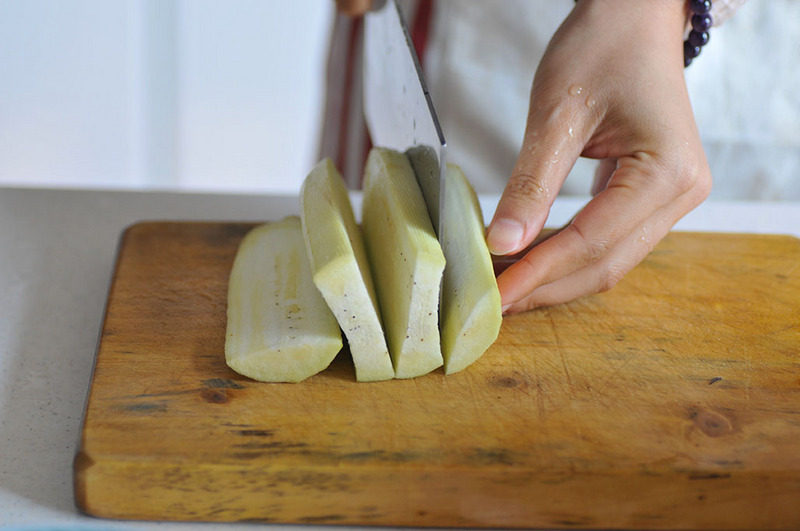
(398,107)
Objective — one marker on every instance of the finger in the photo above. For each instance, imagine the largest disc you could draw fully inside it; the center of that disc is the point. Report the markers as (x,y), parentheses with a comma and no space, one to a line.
(353,7)
(556,132)
(602,174)
(604,274)
(629,251)
(634,193)
(502,262)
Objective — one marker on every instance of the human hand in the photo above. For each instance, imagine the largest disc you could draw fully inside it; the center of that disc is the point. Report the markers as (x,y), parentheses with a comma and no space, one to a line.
(611,87)
(353,7)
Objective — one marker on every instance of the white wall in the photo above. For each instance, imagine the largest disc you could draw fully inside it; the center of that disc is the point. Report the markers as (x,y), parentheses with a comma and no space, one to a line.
(180,94)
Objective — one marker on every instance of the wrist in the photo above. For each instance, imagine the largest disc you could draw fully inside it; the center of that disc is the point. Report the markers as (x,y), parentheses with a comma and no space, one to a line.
(664,16)
(651,25)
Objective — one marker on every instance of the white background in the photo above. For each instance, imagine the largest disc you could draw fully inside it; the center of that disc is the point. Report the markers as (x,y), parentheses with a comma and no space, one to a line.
(226,96)
(175,94)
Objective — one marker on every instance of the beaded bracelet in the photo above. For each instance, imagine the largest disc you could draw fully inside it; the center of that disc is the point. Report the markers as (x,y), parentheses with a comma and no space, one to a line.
(701,23)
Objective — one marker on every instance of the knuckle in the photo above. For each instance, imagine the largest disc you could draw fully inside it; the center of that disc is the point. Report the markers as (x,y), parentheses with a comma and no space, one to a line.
(694,180)
(527,187)
(684,181)
(530,304)
(524,305)
(610,277)
(592,249)
(527,263)
(702,186)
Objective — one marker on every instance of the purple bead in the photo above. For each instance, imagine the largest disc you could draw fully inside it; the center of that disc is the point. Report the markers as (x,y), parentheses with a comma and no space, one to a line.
(701,23)
(690,51)
(700,7)
(697,38)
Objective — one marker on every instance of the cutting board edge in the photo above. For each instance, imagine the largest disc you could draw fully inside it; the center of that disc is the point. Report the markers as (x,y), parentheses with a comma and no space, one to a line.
(437,496)
(145,223)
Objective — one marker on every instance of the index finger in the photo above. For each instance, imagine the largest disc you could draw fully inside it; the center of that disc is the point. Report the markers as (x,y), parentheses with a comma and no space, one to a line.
(556,133)
(637,191)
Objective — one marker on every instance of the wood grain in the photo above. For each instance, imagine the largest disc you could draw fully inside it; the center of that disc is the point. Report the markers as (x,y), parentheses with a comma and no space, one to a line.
(671,401)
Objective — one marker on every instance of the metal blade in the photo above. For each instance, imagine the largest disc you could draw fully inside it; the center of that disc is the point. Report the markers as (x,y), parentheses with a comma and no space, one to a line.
(398,106)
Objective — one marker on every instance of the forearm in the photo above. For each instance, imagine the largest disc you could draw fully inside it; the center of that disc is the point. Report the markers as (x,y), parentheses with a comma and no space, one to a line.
(632,27)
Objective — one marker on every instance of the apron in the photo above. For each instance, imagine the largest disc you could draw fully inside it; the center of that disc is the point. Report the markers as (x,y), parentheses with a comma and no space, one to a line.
(480,57)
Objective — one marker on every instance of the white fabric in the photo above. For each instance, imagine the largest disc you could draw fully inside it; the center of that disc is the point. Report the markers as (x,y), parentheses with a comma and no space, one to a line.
(724,9)
(744,89)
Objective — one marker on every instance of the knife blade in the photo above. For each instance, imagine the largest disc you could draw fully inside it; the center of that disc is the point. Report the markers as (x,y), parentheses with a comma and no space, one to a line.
(398,107)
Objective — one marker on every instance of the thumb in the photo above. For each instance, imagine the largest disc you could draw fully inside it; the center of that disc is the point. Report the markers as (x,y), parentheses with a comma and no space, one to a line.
(553,141)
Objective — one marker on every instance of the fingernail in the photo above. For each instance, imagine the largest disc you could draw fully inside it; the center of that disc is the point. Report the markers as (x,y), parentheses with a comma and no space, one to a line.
(504,236)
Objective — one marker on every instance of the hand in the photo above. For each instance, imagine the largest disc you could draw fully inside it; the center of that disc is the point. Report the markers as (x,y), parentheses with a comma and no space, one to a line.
(610,86)
(353,7)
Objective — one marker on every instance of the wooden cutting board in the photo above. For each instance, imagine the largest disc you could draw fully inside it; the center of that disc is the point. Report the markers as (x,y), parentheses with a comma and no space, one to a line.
(672,401)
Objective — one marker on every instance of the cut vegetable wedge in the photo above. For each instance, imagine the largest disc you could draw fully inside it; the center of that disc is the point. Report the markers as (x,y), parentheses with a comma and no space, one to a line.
(471,312)
(407,262)
(279,327)
(340,269)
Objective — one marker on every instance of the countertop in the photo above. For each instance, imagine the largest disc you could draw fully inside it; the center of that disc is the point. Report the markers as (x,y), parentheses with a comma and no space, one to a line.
(57,251)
